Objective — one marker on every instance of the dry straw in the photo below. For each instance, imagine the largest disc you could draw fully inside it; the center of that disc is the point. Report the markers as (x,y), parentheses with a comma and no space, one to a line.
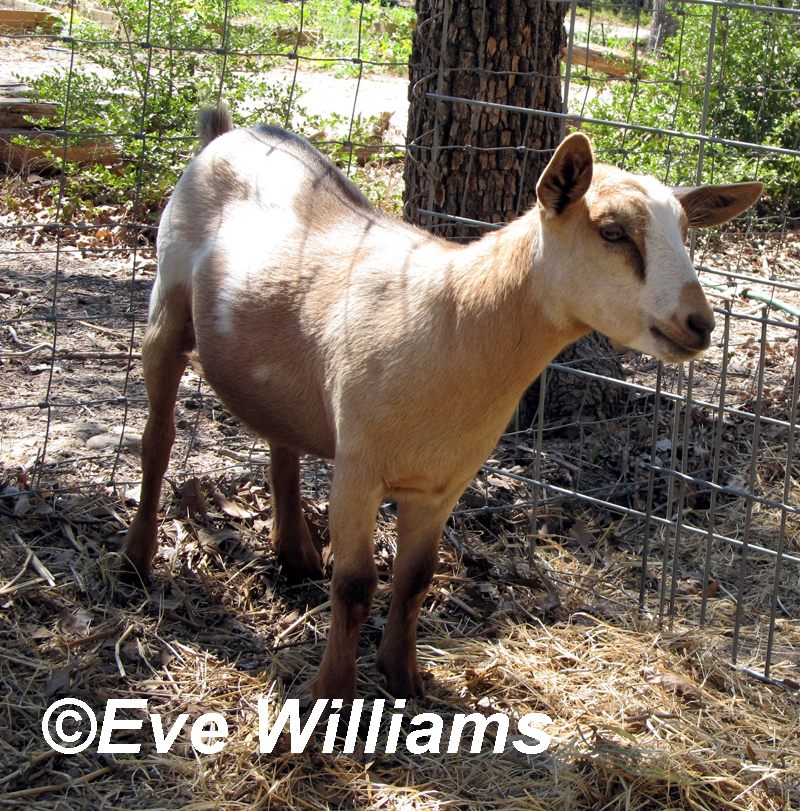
(644,716)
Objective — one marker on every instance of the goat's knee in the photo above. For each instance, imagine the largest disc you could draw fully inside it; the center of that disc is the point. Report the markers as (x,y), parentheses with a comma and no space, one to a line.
(352,591)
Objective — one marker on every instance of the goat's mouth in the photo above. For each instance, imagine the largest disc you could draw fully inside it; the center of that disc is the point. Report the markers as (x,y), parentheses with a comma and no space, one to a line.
(673,351)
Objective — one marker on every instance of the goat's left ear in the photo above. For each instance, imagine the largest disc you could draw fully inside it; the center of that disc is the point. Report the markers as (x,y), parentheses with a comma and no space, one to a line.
(714,205)
(568,175)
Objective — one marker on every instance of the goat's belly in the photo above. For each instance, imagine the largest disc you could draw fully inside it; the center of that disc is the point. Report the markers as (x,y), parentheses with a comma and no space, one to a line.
(276,400)
(291,421)
(256,356)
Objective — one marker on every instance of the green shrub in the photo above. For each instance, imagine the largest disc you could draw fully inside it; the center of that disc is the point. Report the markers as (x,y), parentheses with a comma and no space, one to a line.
(144,100)
(753,98)
(140,93)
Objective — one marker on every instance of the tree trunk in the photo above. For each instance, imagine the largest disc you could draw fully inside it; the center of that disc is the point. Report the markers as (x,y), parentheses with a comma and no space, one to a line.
(664,25)
(474,162)
(571,398)
(481,163)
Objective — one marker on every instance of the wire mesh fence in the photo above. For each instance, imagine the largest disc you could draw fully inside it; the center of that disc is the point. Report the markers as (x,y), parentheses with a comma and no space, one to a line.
(694,479)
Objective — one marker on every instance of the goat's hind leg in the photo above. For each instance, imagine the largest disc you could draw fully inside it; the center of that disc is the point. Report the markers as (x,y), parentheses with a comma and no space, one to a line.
(300,559)
(167,342)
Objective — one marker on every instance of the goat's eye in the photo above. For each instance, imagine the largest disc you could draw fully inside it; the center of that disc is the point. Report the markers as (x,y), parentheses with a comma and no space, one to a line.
(613,233)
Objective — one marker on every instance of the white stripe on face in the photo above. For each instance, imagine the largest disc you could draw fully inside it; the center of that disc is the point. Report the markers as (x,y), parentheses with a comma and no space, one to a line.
(669,268)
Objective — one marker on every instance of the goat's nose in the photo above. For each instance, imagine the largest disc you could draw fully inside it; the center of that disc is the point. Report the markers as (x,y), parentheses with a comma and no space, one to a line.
(701,325)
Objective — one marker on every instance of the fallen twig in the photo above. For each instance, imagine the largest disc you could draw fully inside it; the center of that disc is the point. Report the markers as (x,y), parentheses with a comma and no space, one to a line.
(55,787)
(67,354)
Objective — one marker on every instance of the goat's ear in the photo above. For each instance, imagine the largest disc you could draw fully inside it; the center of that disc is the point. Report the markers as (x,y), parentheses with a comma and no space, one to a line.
(568,175)
(714,205)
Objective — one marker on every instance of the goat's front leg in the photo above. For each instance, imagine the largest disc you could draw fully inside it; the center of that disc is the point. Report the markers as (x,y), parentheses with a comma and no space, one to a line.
(169,337)
(300,559)
(353,507)
(420,524)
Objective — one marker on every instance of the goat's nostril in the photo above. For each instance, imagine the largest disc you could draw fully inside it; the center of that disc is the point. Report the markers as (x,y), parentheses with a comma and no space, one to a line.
(701,324)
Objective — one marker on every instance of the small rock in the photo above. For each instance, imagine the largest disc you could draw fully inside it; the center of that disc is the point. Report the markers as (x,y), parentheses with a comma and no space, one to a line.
(100,441)
(84,430)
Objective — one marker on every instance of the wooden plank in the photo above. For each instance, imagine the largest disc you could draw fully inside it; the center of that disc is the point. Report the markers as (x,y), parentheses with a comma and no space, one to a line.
(105,18)
(20,15)
(26,5)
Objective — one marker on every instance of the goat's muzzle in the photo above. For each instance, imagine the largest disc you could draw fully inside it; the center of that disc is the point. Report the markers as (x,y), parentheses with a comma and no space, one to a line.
(688,332)
(683,340)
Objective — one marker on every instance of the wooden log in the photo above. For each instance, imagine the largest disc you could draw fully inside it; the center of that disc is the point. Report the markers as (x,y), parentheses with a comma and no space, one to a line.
(33,151)
(610,61)
(32,155)
(11,87)
(16,113)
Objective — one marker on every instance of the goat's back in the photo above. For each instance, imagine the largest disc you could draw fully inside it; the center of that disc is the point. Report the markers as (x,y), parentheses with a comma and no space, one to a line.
(301,291)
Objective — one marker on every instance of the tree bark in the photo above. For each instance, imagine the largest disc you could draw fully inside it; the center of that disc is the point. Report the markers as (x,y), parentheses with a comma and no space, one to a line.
(664,25)
(571,398)
(468,161)
(481,163)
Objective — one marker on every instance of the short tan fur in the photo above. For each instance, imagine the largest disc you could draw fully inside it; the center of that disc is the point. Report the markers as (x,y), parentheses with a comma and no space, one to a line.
(333,329)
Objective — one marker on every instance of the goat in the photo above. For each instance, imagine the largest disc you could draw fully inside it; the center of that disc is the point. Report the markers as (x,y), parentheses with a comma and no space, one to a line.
(333,329)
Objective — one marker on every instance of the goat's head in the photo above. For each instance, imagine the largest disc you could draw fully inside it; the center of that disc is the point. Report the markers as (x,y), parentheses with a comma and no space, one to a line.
(622,238)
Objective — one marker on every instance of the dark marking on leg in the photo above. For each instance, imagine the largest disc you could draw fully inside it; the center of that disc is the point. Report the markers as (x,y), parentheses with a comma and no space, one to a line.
(300,558)
(351,598)
(353,505)
(418,533)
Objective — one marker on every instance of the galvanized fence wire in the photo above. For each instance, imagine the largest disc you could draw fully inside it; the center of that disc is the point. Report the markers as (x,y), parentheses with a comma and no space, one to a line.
(659,500)
(55,403)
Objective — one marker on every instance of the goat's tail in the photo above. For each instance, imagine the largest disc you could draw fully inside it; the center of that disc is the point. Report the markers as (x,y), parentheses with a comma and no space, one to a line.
(213,122)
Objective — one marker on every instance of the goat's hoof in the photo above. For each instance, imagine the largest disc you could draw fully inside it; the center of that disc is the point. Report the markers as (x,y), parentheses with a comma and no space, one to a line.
(329,686)
(129,584)
(123,595)
(297,572)
(131,574)
(403,682)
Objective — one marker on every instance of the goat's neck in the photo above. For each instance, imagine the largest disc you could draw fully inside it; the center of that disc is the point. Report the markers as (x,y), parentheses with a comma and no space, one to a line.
(516,298)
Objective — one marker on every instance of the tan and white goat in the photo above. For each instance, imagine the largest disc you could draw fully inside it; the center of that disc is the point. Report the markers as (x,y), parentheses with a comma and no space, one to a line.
(333,329)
